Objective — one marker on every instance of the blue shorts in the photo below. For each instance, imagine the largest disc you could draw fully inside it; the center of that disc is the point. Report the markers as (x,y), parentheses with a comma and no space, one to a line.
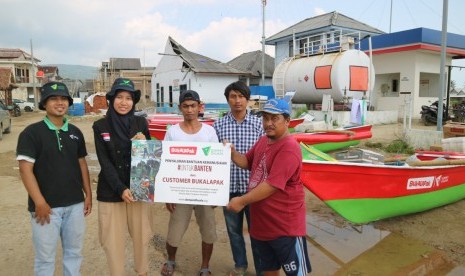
(288,253)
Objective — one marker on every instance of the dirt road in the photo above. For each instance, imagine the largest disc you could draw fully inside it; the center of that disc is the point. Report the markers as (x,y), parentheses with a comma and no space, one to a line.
(442,228)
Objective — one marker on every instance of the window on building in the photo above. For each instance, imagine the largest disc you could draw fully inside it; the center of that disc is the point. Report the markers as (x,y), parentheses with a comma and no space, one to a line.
(387,85)
(395,85)
(158,94)
(170,95)
(183,87)
(429,85)
(22,75)
(162,97)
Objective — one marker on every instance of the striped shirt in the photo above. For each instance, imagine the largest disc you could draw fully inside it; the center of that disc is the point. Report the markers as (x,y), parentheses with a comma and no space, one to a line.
(243,136)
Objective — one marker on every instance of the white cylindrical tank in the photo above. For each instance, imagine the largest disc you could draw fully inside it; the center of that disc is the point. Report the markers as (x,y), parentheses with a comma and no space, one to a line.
(337,74)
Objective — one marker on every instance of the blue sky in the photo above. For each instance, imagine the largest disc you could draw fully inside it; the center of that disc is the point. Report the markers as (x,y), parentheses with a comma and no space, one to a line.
(87,32)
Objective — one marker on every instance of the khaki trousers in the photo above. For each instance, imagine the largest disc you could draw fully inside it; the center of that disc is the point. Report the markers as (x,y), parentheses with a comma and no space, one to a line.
(115,218)
(181,217)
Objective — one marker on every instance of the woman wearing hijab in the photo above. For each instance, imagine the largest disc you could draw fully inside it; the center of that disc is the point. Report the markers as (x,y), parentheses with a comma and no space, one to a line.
(117,210)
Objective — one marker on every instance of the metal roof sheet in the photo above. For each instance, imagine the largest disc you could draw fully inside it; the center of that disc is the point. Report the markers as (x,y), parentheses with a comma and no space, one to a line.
(201,64)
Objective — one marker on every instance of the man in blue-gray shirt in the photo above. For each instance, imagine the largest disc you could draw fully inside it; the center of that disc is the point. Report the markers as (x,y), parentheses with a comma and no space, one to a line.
(242,129)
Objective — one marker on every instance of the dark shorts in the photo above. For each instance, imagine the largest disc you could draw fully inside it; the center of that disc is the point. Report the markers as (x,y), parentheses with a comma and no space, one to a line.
(288,253)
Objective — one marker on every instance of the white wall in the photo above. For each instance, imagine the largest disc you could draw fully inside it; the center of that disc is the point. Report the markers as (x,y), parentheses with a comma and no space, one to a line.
(342,118)
(409,65)
(281,52)
(209,86)
(20,92)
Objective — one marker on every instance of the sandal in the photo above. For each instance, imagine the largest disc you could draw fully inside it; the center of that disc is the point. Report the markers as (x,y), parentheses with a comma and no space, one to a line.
(238,271)
(168,268)
(205,272)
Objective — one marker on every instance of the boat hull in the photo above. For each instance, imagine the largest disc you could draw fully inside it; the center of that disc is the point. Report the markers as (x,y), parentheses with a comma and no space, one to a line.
(431,155)
(330,146)
(157,133)
(158,124)
(295,122)
(350,134)
(362,193)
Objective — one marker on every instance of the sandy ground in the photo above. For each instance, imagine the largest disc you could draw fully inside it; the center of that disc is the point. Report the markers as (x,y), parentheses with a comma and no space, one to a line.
(442,228)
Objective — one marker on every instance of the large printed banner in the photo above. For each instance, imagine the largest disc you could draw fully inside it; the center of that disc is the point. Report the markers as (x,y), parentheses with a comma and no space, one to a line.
(145,164)
(180,172)
(194,173)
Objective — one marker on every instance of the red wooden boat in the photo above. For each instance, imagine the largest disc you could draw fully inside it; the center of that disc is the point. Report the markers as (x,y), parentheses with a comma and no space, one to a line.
(164,118)
(295,122)
(362,192)
(425,155)
(337,135)
(159,123)
(157,132)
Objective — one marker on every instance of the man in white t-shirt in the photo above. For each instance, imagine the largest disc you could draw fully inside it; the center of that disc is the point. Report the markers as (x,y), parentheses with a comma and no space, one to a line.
(191,129)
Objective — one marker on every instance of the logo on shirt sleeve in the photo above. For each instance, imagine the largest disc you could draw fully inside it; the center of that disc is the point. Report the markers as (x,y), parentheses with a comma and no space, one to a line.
(105,136)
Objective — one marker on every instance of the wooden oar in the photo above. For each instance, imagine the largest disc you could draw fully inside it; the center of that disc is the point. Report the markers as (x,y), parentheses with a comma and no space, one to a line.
(317,153)
(436,163)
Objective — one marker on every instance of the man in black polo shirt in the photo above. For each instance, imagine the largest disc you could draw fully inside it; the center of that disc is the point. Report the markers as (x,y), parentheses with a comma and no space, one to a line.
(51,155)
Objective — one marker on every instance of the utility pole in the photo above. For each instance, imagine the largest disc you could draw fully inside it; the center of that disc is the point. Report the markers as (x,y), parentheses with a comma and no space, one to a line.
(263,41)
(33,69)
(143,79)
(390,18)
(443,64)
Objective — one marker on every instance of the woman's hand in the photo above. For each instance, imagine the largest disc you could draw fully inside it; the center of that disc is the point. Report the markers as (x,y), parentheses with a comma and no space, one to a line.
(127,196)
(139,136)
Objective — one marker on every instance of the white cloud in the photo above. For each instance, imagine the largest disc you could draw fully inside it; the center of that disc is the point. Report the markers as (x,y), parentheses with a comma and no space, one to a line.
(226,39)
(148,33)
(88,32)
(319,11)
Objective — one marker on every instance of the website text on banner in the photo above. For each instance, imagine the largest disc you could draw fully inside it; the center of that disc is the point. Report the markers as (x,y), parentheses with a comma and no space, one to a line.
(194,173)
